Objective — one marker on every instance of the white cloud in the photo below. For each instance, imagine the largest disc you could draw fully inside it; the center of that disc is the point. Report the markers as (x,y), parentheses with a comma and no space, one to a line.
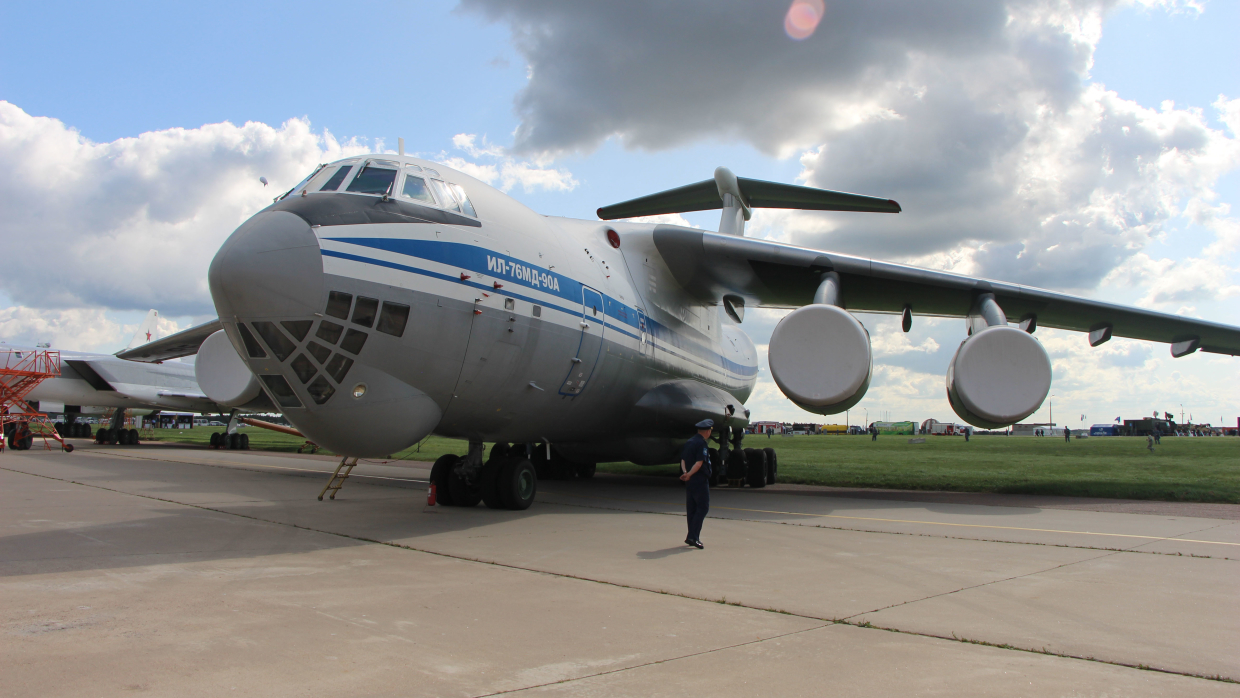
(506,171)
(135,222)
(77,329)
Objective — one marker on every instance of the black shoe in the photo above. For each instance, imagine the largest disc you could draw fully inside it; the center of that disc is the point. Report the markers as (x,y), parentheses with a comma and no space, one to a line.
(688,542)
(697,544)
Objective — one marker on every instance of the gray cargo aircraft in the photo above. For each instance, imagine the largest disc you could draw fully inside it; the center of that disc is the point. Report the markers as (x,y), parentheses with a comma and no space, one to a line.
(385,298)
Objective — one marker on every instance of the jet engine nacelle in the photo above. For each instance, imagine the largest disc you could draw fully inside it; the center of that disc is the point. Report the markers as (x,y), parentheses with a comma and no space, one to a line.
(998,377)
(820,358)
(222,375)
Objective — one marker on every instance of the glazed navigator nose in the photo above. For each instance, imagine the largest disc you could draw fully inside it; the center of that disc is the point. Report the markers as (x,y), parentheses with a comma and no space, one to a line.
(327,374)
(270,267)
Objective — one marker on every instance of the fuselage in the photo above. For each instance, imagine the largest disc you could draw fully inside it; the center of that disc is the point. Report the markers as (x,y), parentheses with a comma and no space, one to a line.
(477,319)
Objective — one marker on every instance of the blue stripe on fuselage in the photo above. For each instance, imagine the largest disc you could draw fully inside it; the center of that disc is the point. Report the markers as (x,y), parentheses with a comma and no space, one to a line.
(484,261)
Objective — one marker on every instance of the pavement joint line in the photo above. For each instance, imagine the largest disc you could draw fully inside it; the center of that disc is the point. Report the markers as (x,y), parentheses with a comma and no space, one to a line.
(564,575)
(911,521)
(768,511)
(246,466)
(846,529)
(656,662)
(1152,539)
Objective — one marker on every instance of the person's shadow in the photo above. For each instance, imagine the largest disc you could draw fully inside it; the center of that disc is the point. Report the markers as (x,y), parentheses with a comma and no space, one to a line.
(666,552)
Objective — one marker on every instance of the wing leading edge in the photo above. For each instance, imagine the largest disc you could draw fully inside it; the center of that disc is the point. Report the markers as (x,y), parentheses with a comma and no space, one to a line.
(769,274)
(183,343)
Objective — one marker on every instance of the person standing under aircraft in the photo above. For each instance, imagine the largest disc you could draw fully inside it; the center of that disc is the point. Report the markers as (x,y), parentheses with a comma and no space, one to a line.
(1067,435)
(697,479)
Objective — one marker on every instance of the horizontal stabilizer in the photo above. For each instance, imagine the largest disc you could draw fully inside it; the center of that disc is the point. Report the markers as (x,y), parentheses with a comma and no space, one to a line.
(704,196)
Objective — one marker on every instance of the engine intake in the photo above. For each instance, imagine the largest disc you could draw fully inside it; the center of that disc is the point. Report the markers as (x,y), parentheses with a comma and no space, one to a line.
(998,377)
(820,358)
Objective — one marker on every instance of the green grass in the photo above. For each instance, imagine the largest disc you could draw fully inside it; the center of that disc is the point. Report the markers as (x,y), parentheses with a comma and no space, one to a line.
(1181,469)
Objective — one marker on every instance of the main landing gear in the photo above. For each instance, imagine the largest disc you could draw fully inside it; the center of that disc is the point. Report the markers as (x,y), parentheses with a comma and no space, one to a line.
(755,467)
(506,480)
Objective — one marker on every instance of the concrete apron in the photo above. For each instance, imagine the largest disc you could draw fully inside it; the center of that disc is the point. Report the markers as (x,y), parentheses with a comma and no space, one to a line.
(126,588)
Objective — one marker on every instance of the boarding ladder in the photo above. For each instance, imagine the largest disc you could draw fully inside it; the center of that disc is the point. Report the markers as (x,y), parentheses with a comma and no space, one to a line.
(337,480)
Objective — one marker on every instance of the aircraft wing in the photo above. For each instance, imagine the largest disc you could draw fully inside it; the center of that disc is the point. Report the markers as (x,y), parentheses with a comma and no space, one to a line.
(770,274)
(183,343)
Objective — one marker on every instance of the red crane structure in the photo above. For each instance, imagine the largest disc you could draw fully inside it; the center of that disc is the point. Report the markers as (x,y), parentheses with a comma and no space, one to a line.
(20,372)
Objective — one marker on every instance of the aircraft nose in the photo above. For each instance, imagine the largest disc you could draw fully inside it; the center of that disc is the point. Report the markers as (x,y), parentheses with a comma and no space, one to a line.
(270,291)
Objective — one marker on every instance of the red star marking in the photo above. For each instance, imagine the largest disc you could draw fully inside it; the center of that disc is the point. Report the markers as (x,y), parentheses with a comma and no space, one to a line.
(148,336)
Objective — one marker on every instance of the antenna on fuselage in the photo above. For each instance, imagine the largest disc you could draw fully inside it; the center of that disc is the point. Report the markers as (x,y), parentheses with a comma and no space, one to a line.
(400,146)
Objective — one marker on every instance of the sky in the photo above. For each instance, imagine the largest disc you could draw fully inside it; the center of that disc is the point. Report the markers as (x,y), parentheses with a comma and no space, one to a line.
(1083,146)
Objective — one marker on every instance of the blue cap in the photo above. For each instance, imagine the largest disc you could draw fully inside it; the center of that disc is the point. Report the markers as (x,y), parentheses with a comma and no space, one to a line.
(705,424)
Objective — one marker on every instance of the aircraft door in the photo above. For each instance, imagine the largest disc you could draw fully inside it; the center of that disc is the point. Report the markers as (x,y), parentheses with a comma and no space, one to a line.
(591,344)
(644,347)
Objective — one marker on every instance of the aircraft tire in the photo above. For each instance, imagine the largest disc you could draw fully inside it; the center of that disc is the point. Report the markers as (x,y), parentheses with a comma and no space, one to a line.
(585,471)
(215,439)
(27,441)
(772,465)
(463,495)
(500,451)
(440,474)
(517,484)
(737,465)
(245,441)
(755,471)
(491,473)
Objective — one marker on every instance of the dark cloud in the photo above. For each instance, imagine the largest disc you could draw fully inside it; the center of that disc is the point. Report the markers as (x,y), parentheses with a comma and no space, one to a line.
(976,115)
(659,74)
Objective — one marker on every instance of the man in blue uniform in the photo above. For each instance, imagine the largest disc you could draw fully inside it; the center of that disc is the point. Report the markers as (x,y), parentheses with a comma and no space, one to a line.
(695,471)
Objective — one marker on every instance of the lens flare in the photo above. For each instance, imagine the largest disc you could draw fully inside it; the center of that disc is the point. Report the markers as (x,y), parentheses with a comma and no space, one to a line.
(803,18)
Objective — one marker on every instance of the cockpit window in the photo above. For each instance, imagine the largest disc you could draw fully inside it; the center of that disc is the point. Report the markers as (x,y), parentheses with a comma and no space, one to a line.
(375,177)
(415,188)
(462,197)
(336,179)
(446,199)
(303,183)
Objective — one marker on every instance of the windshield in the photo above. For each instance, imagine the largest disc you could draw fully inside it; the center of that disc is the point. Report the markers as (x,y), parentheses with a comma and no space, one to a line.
(304,182)
(462,197)
(375,177)
(337,178)
(415,188)
(445,195)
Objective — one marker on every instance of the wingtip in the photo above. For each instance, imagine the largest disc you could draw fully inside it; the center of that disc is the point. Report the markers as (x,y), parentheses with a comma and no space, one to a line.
(894,203)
